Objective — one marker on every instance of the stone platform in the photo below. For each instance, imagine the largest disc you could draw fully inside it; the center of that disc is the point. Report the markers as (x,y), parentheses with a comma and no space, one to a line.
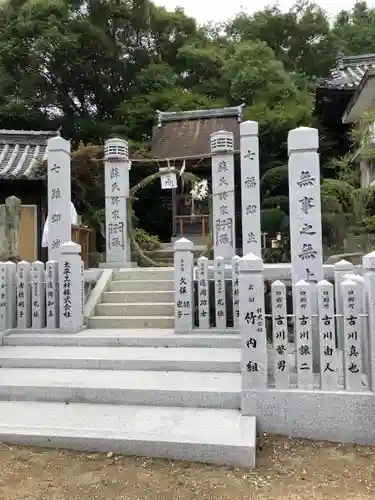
(137,392)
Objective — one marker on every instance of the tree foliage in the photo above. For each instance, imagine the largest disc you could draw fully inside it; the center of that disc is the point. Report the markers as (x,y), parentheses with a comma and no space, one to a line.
(101,67)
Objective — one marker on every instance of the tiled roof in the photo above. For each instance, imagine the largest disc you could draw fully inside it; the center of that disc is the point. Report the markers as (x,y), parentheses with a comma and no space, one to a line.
(187,133)
(350,71)
(21,151)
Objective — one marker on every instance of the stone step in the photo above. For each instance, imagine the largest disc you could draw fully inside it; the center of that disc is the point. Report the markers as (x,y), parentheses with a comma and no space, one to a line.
(125,338)
(145,273)
(137,297)
(222,437)
(182,389)
(143,309)
(122,358)
(141,286)
(131,322)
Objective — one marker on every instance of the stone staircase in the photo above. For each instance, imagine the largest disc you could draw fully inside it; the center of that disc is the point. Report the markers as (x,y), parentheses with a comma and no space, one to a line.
(147,392)
(137,298)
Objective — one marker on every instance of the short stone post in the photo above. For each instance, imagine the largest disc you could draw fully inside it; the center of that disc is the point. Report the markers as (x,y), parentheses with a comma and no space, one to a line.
(340,269)
(4,245)
(252,324)
(220,295)
(203,294)
(11,269)
(223,208)
(184,285)
(368,263)
(38,298)
(306,217)
(23,295)
(3,297)
(59,196)
(116,178)
(52,294)
(13,229)
(280,335)
(330,357)
(251,232)
(303,294)
(70,288)
(236,290)
(352,298)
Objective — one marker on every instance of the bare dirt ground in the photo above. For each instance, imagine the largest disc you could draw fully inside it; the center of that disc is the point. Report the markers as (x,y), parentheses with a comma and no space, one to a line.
(286,469)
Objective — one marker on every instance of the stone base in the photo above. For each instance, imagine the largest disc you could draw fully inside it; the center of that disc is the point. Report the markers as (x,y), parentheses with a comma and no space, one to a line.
(220,437)
(117,265)
(344,417)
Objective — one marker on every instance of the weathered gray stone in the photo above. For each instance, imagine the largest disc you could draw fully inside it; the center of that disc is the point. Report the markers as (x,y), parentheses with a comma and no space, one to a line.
(70,288)
(183,283)
(223,209)
(250,193)
(59,196)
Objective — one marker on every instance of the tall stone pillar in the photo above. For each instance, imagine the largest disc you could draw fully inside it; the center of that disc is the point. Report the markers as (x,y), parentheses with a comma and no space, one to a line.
(59,196)
(116,165)
(223,208)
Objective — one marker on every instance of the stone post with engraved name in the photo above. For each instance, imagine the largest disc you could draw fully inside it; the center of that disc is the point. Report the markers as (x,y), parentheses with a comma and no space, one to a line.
(116,175)
(70,288)
(223,209)
(59,196)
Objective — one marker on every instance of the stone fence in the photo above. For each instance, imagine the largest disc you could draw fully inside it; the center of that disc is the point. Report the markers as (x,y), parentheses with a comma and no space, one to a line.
(37,296)
(320,385)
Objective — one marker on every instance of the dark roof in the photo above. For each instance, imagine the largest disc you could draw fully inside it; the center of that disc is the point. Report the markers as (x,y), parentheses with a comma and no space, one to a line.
(21,151)
(349,72)
(187,133)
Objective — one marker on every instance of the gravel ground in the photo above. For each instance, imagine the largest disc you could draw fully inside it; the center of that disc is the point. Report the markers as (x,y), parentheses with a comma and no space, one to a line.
(286,469)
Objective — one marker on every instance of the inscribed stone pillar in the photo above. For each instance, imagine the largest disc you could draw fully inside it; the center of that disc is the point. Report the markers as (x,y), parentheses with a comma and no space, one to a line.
(3,297)
(306,217)
(13,226)
(116,176)
(183,285)
(38,298)
(59,196)
(252,324)
(223,209)
(305,206)
(11,294)
(52,294)
(70,288)
(251,231)
(368,263)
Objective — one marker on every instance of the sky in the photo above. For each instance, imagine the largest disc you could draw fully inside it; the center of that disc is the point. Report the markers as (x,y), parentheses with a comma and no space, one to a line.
(222,10)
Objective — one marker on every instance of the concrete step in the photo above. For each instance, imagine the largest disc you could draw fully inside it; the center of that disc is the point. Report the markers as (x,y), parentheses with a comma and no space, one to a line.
(145,274)
(125,338)
(122,358)
(222,437)
(183,389)
(141,286)
(131,322)
(137,297)
(141,309)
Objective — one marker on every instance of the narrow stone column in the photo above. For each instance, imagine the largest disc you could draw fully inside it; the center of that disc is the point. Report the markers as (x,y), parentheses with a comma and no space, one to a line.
(183,285)
(306,218)
(59,196)
(223,209)
(251,231)
(116,165)
(13,226)
(368,263)
(70,288)
(252,324)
